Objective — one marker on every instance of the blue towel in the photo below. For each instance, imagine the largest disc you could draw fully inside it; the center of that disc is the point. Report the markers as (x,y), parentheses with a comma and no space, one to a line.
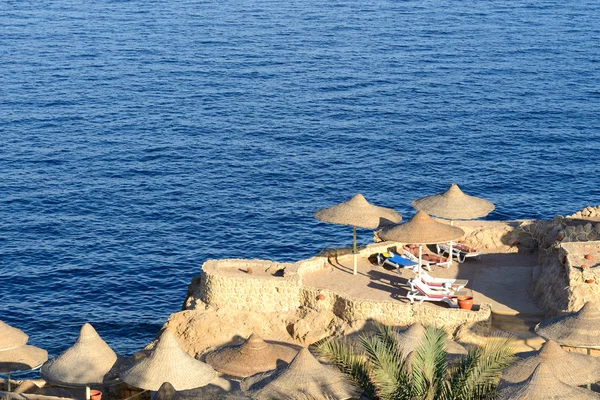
(405,262)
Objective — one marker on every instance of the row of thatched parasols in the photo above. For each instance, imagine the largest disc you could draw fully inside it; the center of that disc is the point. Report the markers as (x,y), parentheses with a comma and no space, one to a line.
(15,354)
(167,368)
(269,369)
(421,229)
(552,372)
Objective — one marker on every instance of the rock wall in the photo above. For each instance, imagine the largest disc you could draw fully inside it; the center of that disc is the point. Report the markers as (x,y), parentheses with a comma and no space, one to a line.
(227,283)
(582,274)
(224,284)
(560,283)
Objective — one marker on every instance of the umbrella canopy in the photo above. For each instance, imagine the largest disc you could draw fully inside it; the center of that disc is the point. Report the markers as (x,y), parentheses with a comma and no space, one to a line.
(454,204)
(543,384)
(211,391)
(89,361)
(168,362)
(165,392)
(22,358)
(421,229)
(580,329)
(304,376)
(11,337)
(358,212)
(253,356)
(573,368)
(410,339)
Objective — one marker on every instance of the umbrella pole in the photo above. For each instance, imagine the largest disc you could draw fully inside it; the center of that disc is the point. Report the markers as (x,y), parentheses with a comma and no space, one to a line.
(354,251)
(420,258)
(589,353)
(87,392)
(8,382)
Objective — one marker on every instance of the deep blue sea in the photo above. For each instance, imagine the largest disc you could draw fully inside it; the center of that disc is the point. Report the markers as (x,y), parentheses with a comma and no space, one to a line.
(140,138)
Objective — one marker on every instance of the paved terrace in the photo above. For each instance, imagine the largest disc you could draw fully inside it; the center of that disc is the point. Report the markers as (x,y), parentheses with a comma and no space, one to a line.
(501,280)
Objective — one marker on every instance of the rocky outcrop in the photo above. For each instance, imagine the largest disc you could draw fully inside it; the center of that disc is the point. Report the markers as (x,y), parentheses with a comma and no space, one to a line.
(587,213)
(234,298)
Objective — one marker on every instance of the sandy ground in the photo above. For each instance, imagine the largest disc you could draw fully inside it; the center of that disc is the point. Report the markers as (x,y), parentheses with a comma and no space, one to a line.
(499,279)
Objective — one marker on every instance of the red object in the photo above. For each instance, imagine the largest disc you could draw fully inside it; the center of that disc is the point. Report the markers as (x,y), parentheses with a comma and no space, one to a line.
(590,281)
(95,395)
(465,302)
(589,256)
(321,297)
(564,260)
(559,238)
(584,266)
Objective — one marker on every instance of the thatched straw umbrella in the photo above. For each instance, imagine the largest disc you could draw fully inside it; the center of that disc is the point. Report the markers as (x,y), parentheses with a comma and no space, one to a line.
(543,384)
(90,361)
(304,376)
(579,329)
(208,392)
(573,369)
(168,362)
(15,354)
(410,339)
(421,229)
(454,204)
(11,337)
(253,356)
(358,212)
(165,392)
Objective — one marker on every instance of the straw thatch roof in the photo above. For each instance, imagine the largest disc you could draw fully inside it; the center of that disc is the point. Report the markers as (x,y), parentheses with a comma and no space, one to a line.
(454,204)
(580,329)
(573,368)
(11,337)
(22,358)
(165,392)
(358,212)
(212,391)
(543,384)
(421,229)
(89,361)
(253,356)
(168,362)
(305,377)
(410,339)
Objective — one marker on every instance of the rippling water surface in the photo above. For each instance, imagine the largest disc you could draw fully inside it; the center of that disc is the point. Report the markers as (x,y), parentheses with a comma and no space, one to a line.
(140,138)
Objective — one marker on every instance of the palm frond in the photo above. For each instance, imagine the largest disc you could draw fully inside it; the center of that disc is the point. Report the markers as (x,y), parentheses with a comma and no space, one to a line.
(388,372)
(430,365)
(478,373)
(388,336)
(351,362)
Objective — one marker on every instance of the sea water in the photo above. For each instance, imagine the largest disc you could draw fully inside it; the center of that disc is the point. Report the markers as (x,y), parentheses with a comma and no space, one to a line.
(140,138)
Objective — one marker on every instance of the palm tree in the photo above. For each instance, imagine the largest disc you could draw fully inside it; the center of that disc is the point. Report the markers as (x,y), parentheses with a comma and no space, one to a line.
(381,369)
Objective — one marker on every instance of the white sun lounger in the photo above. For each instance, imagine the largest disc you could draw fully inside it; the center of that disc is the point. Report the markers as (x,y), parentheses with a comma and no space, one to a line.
(448,283)
(461,252)
(422,292)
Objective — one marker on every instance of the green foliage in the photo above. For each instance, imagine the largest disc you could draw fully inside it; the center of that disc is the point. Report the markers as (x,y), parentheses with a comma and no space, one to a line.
(350,361)
(381,369)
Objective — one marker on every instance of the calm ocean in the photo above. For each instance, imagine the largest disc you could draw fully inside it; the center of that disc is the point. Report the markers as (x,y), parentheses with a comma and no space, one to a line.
(140,138)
